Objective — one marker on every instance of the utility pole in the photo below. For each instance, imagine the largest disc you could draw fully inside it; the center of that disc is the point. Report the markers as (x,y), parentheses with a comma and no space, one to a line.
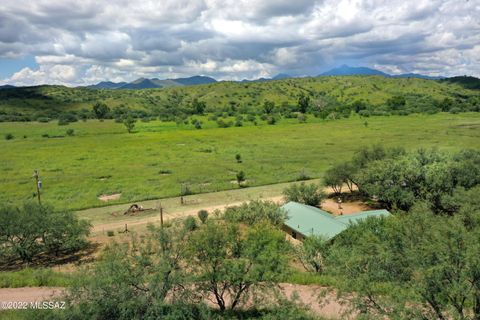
(38,184)
(160,208)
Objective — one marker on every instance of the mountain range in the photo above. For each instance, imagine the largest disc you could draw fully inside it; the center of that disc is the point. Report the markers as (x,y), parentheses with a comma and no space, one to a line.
(144,83)
(345,70)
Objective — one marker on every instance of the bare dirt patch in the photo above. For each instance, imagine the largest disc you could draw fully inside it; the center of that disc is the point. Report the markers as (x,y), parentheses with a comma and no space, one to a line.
(331,205)
(318,299)
(30,294)
(109,197)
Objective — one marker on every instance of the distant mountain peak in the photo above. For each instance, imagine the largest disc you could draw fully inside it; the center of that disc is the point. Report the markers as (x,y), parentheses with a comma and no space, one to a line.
(281,76)
(145,83)
(345,70)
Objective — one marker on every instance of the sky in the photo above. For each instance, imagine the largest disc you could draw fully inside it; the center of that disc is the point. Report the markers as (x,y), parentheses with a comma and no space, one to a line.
(83,42)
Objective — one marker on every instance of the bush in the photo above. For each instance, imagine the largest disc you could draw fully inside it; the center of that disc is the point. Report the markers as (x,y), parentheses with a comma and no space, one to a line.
(33,229)
(240,177)
(309,194)
(455,110)
(70,132)
(9,136)
(224,124)
(190,224)
(256,211)
(66,118)
(129,123)
(110,233)
(202,215)
(302,118)
(43,119)
(271,120)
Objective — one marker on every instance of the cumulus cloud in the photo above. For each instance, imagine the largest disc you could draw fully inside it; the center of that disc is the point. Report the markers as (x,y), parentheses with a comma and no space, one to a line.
(81,42)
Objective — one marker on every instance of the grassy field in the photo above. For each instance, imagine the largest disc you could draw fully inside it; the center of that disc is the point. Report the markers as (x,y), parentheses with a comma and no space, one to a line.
(102,158)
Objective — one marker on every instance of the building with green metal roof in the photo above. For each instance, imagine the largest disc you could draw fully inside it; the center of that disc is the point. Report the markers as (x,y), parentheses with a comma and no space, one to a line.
(303,220)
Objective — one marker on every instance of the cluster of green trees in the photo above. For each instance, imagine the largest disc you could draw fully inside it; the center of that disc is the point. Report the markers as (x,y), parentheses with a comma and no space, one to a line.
(399,179)
(172,271)
(424,261)
(418,265)
(247,101)
(33,230)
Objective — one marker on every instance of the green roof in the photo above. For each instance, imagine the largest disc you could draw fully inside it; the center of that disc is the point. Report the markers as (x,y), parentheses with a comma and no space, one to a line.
(309,220)
(354,217)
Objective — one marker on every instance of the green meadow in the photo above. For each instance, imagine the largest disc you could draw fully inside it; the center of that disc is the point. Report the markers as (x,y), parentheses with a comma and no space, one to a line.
(101,158)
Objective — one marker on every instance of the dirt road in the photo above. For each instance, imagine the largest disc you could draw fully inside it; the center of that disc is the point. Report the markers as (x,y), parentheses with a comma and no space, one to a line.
(168,216)
(325,305)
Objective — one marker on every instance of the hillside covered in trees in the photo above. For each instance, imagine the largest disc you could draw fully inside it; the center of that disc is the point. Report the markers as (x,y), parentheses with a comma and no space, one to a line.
(325,97)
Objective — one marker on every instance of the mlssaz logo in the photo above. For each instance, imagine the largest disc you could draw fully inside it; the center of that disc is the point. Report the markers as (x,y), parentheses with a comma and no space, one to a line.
(47,305)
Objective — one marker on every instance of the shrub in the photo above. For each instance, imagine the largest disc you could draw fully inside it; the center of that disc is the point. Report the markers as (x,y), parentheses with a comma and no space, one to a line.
(9,136)
(256,211)
(303,176)
(238,157)
(110,233)
(271,120)
(129,123)
(43,119)
(224,124)
(202,215)
(240,177)
(455,110)
(198,125)
(302,118)
(309,194)
(70,132)
(190,224)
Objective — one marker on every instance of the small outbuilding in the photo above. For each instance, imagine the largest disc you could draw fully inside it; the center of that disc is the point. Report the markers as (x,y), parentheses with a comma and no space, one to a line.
(303,220)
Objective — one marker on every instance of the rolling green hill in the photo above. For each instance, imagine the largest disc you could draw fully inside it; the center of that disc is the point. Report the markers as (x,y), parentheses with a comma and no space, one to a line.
(327,95)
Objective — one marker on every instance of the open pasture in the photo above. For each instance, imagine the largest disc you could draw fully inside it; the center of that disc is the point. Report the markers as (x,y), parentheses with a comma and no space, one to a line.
(101,158)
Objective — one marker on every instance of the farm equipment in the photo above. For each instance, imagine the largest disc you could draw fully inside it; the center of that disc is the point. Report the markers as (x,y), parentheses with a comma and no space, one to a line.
(135,208)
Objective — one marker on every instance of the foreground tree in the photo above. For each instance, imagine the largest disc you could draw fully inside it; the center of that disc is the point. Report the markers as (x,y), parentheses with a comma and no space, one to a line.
(430,262)
(30,230)
(132,281)
(312,253)
(230,265)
